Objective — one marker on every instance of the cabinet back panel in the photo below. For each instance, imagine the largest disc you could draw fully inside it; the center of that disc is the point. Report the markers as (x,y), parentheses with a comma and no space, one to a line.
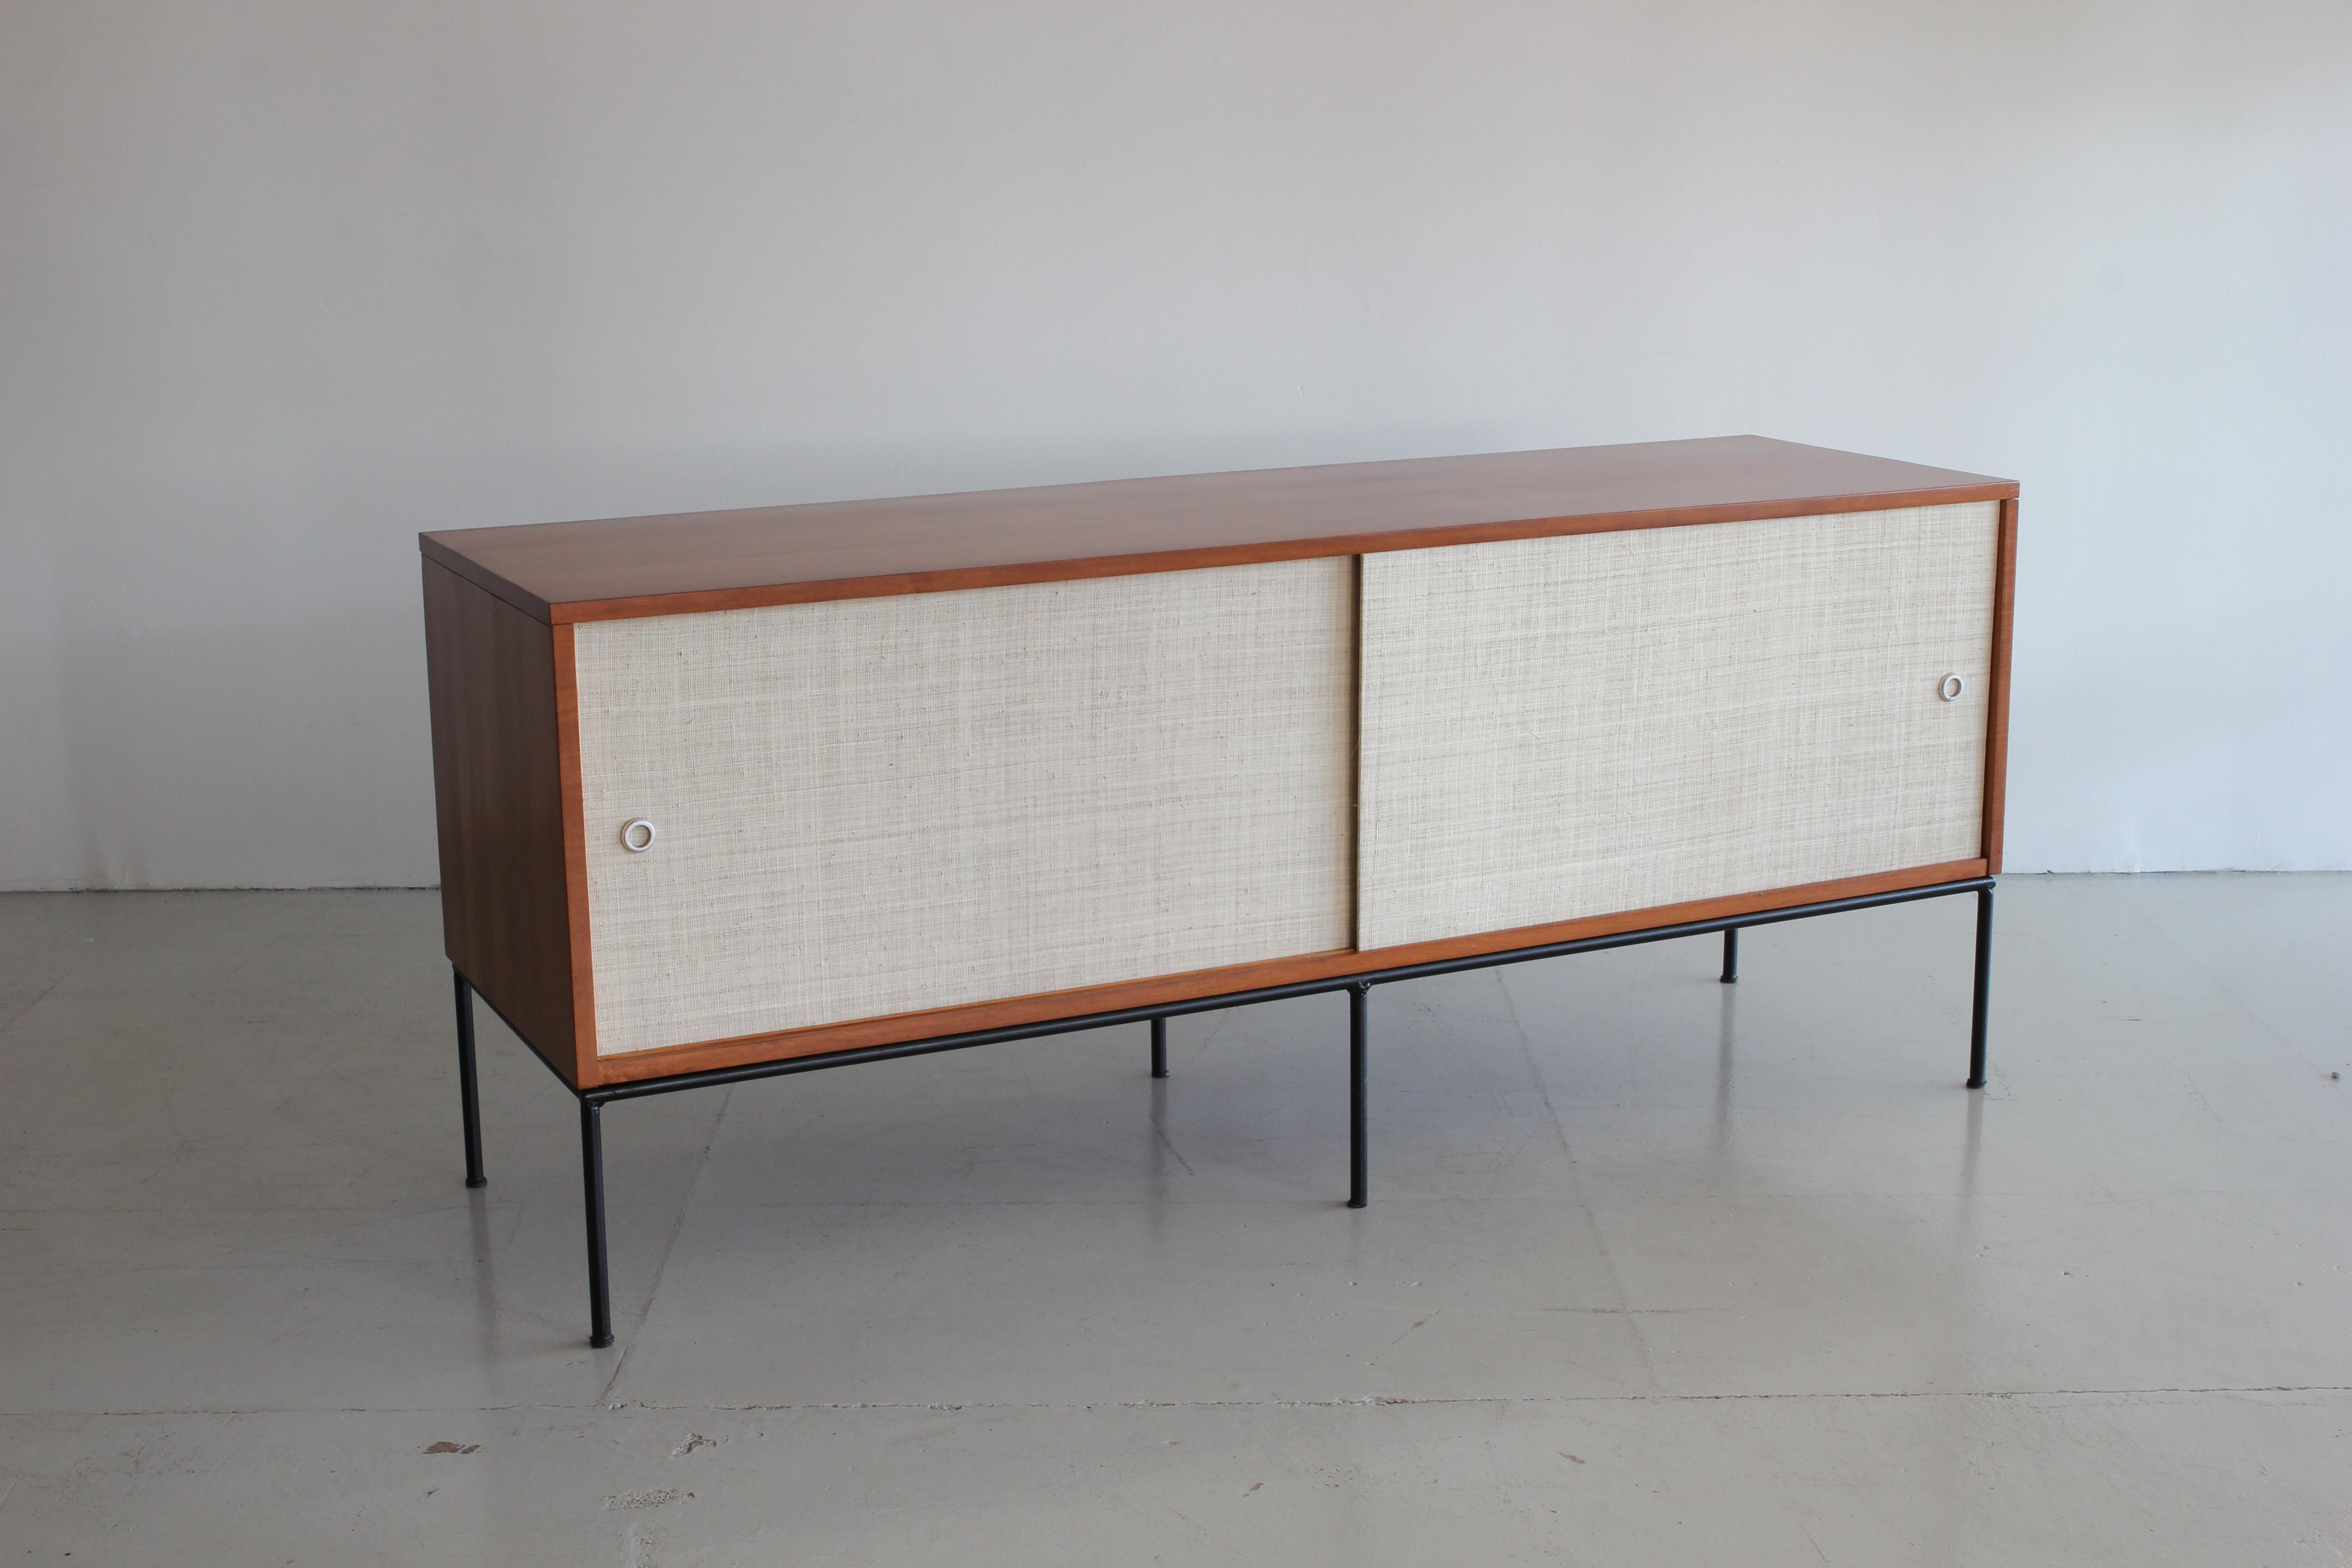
(872,806)
(1565,727)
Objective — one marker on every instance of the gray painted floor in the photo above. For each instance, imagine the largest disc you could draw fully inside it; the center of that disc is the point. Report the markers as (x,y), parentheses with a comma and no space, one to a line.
(1656,1270)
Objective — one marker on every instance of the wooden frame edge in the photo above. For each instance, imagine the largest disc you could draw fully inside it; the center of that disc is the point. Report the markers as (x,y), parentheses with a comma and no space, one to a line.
(482,577)
(1356,761)
(949,580)
(589,1066)
(440,738)
(2004,619)
(819,1039)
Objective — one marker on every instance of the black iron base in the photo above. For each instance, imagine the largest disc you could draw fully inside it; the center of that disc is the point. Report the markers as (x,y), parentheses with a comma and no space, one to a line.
(1983,986)
(1359,993)
(469,1094)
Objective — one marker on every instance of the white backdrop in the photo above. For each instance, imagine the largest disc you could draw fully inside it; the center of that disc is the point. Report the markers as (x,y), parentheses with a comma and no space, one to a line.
(282,284)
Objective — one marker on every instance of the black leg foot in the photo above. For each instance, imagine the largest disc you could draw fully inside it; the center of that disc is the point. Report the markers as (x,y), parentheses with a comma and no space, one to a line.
(1984,990)
(1158,1048)
(1360,998)
(592,1182)
(469,1094)
(1731,955)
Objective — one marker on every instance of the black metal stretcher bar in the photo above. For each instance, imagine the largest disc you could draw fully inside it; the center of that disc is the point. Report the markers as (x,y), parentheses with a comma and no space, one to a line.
(1358,987)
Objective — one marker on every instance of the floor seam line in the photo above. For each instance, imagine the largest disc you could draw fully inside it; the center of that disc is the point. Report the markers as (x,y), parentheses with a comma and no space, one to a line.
(625,1406)
(1576,1173)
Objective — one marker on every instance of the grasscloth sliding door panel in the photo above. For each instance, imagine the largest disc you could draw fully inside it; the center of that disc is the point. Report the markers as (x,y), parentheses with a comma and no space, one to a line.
(872,806)
(1558,728)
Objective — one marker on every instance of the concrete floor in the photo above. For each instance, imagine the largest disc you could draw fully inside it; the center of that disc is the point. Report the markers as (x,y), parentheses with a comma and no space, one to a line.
(1656,1270)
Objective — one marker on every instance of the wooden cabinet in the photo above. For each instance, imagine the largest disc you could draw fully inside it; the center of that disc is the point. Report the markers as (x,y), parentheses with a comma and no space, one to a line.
(913,767)
(735,795)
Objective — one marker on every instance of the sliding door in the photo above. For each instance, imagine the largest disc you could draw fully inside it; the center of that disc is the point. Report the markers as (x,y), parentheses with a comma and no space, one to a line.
(1559,727)
(885,806)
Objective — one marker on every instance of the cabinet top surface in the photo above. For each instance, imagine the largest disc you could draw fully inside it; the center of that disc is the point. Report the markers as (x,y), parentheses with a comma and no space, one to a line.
(618,568)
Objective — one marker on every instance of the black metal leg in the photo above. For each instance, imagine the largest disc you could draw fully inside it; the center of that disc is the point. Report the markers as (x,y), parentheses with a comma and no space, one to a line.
(1984,989)
(469,1093)
(591,1181)
(1731,955)
(1158,1048)
(1360,998)
(1359,988)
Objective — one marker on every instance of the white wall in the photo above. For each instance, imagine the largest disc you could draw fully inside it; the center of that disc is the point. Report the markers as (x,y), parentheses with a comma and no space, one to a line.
(282,284)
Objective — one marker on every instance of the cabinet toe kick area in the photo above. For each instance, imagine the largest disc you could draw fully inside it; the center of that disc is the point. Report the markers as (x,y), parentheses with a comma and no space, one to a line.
(736,795)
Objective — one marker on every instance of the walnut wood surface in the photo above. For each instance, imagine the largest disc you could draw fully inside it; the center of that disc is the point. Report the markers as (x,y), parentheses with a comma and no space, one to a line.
(575,861)
(2004,616)
(790,1044)
(498,796)
(735,560)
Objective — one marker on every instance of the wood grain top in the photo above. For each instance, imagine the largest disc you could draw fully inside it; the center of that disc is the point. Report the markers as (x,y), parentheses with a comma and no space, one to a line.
(568,571)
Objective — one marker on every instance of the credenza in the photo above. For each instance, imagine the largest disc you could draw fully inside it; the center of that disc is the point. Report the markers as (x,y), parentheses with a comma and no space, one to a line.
(733,794)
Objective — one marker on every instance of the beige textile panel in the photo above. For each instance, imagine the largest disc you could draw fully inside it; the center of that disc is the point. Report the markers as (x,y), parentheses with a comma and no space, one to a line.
(882,805)
(1557,728)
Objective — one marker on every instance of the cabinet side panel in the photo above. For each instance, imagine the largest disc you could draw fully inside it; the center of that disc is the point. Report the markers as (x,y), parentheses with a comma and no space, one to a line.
(498,802)
(878,806)
(1562,728)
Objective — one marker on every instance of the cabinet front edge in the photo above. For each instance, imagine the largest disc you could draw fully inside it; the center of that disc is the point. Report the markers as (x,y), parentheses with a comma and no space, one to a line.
(575,860)
(2004,624)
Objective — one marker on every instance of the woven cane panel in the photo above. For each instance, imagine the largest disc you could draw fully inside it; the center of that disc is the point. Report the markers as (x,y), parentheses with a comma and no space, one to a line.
(1558,728)
(882,805)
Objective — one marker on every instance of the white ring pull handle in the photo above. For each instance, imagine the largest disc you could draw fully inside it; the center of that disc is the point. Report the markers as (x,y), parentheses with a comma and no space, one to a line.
(1949,691)
(629,839)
